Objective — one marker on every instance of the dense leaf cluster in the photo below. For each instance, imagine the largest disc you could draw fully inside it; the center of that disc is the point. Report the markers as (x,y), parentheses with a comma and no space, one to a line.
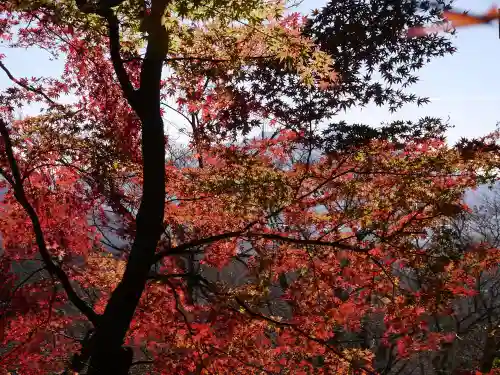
(374,61)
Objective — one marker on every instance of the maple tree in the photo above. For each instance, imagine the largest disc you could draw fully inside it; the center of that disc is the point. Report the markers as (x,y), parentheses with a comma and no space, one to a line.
(336,231)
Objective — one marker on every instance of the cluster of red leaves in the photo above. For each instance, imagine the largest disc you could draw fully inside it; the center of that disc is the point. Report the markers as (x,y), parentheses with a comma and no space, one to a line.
(319,208)
(300,219)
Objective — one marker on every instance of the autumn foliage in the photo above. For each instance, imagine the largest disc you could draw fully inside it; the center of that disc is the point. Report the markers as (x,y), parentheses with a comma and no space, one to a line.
(341,234)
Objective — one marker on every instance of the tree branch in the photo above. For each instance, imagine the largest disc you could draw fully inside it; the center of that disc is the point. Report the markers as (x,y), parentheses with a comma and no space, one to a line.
(145,362)
(28,87)
(26,279)
(104,10)
(167,277)
(202,59)
(52,268)
(204,241)
(186,246)
(180,309)
(116,59)
(337,244)
(211,59)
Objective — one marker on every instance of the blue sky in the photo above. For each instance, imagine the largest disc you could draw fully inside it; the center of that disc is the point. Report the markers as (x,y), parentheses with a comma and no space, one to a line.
(464,87)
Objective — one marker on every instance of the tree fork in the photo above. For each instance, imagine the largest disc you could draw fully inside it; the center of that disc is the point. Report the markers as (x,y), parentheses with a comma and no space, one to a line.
(107,354)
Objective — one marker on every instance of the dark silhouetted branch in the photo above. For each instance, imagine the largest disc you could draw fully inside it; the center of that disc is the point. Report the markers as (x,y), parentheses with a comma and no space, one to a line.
(52,268)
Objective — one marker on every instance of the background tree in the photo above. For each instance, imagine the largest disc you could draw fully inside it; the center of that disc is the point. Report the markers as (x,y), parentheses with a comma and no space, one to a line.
(473,319)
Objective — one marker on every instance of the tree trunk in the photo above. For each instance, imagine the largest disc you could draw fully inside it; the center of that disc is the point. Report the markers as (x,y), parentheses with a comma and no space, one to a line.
(489,354)
(107,354)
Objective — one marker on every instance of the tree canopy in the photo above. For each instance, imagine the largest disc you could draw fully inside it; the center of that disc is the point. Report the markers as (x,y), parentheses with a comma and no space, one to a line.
(329,222)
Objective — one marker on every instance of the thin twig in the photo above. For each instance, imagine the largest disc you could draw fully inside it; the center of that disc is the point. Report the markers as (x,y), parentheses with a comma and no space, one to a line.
(28,87)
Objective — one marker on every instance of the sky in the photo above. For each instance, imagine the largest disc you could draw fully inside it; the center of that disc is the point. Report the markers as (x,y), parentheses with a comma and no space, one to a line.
(464,87)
